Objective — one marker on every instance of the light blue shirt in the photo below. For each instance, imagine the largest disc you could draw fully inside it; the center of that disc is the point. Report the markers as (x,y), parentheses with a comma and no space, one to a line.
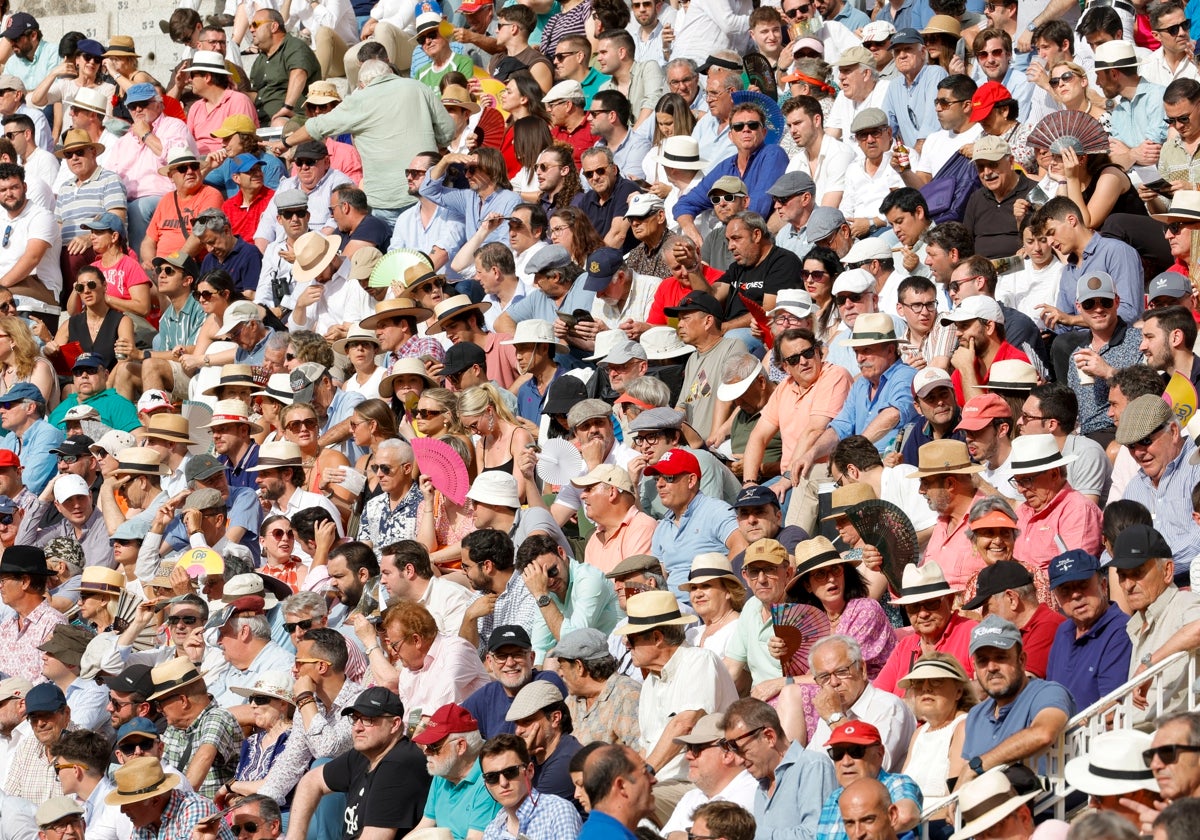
(538,305)
(910,106)
(629,155)
(1120,261)
(714,141)
(591,602)
(270,658)
(463,805)
(464,206)
(705,526)
(861,407)
(45,59)
(851,17)
(343,405)
(1140,118)
(912,14)
(1170,504)
(33,448)
(541,815)
(803,781)
(443,232)
(88,703)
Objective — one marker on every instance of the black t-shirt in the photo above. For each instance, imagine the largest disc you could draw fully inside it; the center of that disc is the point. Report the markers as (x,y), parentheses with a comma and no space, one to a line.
(780,270)
(372,230)
(391,796)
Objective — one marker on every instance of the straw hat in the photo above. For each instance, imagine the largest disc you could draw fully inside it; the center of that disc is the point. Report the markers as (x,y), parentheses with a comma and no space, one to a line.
(404,367)
(847,496)
(985,801)
(922,583)
(77,138)
(650,609)
(1185,207)
(356,334)
(121,46)
(314,252)
(817,553)
(936,666)
(453,307)
(1113,765)
(173,675)
(536,331)
(1011,375)
(141,460)
(871,328)
(279,388)
(172,427)
(140,778)
(400,307)
(708,567)
(277,684)
(103,580)
(944,457)
(176,157)
(276,454)
(456,96)
(1036,454)
(232,375)
(232,411)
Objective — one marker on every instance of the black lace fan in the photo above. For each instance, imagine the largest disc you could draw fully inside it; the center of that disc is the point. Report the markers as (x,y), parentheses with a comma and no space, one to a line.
(890,531)
(761,74)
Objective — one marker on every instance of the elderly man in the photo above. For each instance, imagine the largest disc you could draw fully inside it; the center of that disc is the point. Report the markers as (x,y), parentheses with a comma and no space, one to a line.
(315,180)
(1005,588)
(622,530)
(458,799)
(510,658)
(880,401)
(1054,515)
(1021,715)
(792,781)
(909,98)
(694,523)
(948,483)
(928,601)
(860,89)
(227,250)
(1177,771)
(718,774)
(602,702)
(89,191)
(244,636)
(682,684)
(1091,651)
(31,773)
(767,569)
(156,806)
(391,516)
(568,117)
(857,753)
(657,431)
(433,668)
(606,203)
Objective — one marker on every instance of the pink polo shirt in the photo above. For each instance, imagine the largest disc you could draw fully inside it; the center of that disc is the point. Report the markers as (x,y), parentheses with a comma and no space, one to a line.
(1072,518)
(204,118)
(138,166)
(950,548)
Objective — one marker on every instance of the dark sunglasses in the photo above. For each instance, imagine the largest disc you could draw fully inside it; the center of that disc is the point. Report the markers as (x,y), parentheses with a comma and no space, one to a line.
(1103,303)
(815,275)
(259,700)
(293,214)
(1147,441)
(428,413)
(382,469)
(187,167)
(795,358)
(1055,81)
(89,285)
(248,827)
(848,297)
(669,479)
(589,174)
(855,751)
(130,745)
(868,133)
(7,519)
(753,125)
(185,620)
(511,772)
(796,11)
(1183,119)
(415,173)
(167,269)
(203,294)
(1176,228)
(71,154)
(1168,753)
(291,627)
(307,423)
(562,56)
(1175,28)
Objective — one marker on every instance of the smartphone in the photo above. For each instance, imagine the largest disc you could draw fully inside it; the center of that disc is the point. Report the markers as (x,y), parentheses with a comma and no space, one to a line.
(1159,186)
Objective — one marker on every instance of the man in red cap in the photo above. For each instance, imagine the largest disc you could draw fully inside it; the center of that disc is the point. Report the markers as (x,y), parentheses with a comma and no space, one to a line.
(857,752)
(694,523)
(458,799)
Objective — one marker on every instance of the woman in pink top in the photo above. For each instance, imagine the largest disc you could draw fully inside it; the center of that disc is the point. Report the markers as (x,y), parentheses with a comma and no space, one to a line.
(128,287)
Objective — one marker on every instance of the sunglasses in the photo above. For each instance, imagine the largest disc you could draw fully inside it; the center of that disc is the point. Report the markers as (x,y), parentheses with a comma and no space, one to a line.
(91,285)
(946,103)
(1146,441)
(248,827)
(725,198)
(1168,753)
(511,772)
(855,751)
(414,173)
(794,359)
(796,11)
(562,56)
(1180,120)
(259,700)
(291,627)
(309,423)
(1176,228)
(280,534)
(848,297)
(875,45)
(203,294)
(589,174)
(428,413)
(752,125)
(868,133)
(669,479)
(736,745)
(71,154)
(805,274)
(426,37)
(1175,28)
(999,52)
(131,745)
(1102,303)
(383,469)
(8,306)
(1055,81)
(293,214)
(185,620)
(167,269)
(186,167)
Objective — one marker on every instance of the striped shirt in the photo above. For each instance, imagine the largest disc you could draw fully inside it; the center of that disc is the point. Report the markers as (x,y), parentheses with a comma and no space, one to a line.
(179,328)
(77,203)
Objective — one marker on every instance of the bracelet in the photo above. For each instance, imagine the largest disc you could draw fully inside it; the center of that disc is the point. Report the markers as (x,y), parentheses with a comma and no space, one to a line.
(304,697)
(283,142)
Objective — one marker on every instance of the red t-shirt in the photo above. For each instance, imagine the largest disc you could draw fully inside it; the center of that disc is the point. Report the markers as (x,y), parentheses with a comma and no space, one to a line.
(1006,351)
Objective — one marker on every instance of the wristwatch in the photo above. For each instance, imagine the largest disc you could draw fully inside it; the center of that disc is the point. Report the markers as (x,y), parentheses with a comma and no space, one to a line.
(976,765)
(1147,660)
(543,601)
(834,719)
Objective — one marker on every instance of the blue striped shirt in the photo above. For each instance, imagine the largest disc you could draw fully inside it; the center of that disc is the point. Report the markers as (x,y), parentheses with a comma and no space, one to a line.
(542,816)
(78,203)
(898,785)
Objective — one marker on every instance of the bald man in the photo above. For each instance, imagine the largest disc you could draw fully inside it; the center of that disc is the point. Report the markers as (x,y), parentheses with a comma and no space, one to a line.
(867,811)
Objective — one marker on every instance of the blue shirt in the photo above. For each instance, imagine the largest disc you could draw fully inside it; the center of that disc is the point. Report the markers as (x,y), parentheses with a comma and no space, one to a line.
(244,264)
(1170,504)
(1120,261)
(985,730)
(237,474)
(912,14)
(1122,350)
(343,405)
(1140,118)
(601,826)
(898,785)
(803,781)
(33,448)
(490,704)
(894,391)
(541,815)
(705,526)
(244,510)
(461,806)
(910,106)
(464,206)
(1092,665)
(629,155)
(530,399)
(537,304)
(767,163)
(851,17)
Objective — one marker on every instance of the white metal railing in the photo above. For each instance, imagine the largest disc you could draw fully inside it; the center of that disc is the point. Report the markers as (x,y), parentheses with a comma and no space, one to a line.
(1114,711)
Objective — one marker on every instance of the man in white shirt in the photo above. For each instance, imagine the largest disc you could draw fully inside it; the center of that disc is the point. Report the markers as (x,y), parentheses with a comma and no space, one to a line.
(953,105)
(405,572)
(869,182)
(41,167)
(1172,60)
(823,157)
(328,302)
(12,719)
(30,240)
(719,775)
(861,89)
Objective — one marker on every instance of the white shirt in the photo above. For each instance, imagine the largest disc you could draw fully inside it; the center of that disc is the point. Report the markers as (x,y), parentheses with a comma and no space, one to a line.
(864,193)
(898,487)
(942,144)
(999,479)
(844,109)
(1027,289)
(1156,70)
(889,715)
(344,301)
(741,790)
(524,277)
(33,222)
(707,26)
(42,166)
(399,13)
(637,303)
(337,15)
(8,746)
(497,308)
(106,822)
(828,170)
(447,602)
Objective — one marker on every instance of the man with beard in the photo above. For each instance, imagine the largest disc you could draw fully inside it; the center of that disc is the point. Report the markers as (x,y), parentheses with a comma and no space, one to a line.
(979,322)
(427,226)
(535,345)
(458,799)
(510,657)
(934,399)
(1006,589)
(947,481)
(1168,336)
(487,561)
(987,424)
(1021,715)
(190,198)
(280,479)
(354,576)
(543,722)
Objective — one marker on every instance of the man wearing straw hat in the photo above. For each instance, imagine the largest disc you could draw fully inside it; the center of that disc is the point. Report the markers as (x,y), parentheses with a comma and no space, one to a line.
(169,434)
(327,300)
(991,807)
(150,799)
(1055,517)
(948,483)
(682,684)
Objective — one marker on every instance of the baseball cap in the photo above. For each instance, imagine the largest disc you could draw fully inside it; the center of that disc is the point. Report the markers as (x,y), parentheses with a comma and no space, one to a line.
(909,36)
(18,25)
(602,264)
(1073,565)
(1137,544)
(153,400)
(69,485)
(854,732)
(929,379)
(979,412)
(642,205)
(696,302)
(996,578)
(755,496)
(1168,284)
(854,280)
(766,551)
(996,632)
(87,361)
(1094,284)
(973,308)
(181,261)
(448,720)
(311,150)
(506,635)
(44,697)
(244,163)
(141,92)
(376,702)
(461,356)
(22,391)
(854,56)
(990,147)
(728,184)
(986,98)
(675,462)
(137,726)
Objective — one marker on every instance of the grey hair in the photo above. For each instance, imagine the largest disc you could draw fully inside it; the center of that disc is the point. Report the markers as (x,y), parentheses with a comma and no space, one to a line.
(599,150)
(211,221)
(1189,719)
(402,449)
(1102,825)
(260,625)
(311,603)
(852,648)
(278,341)
(740,367)
(371,70)
(985,506)
(474,743)
(684,62)
(650,390)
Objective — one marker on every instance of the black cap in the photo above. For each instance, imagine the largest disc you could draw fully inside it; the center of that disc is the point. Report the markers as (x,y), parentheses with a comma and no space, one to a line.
(996,578)
(76,446)
(461,356)
(1133,547)
(311,150)
(509,634)
(31,560)
(564,392)
(755,496)
(133,680)
(715,61)
(376,702)
(696,302)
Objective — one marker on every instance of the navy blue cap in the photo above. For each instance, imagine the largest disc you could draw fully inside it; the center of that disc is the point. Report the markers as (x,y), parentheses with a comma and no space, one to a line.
(89,47)
(602,264)
(244,163)
(88,361)
(44,697)
(755,496)
(20,392)
(907,36)
(7,506)
(1071,566)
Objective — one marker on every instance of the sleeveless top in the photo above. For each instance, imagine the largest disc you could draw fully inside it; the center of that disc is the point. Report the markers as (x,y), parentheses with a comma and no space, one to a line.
(1127,202)
(106,337)
(931,754)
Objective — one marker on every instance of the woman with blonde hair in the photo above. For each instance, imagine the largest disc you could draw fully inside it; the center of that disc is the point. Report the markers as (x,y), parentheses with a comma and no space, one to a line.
(302,427)
(437,414)
(21,361)
(500,438)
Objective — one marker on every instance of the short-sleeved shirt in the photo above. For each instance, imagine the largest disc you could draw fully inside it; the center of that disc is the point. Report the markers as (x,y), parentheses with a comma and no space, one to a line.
(391,796)
(489,705)
(985,729)
(776,271)
(461,806)
(705,526)
(1091,665)
(791,408)
(894,391)
(164,224)
(372,230)
(748,643)
(269,75)
(1037,636)
(77,203)
(703,374)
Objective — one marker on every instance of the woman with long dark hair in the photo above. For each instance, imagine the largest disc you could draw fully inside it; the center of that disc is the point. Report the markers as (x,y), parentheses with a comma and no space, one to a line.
(821,268)
(531,137)
(522,97)
(98,326)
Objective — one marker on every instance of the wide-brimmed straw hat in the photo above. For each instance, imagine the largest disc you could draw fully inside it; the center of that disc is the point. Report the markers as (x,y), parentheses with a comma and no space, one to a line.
(647,610)
(140,778)
(922,583)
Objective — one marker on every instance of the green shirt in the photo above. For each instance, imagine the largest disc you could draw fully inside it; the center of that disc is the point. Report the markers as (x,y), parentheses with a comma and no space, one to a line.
(269,75)
(458,61)
(114,410)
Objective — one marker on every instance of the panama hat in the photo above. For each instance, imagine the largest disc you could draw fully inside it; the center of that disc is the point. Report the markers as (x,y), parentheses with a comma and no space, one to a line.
(172,427)
(647,610)
(985,801)
(314,252)
(451,308)
(922,583)
(232,411)
(944,457)
(708,567)
(400,307)
(277,684)
(140,778)
(173,675)
(871,328)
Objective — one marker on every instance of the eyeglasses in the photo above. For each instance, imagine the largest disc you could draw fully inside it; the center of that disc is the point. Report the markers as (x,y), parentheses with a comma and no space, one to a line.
(60,828)
(1168,753)
(1175,28)
(589,174)
(1019,481)
(414,173)
(868,133)
(876,45)
(946,103)
(293,214)
(90,285)
(691,835)
(255,24)
(309,661)
(11,135)
(824,677)
(426,37)
(694,750)
(58,768)
(1103,303)
(260,700)
(309,423)
(794,359)
(805,274)
(186,167)
(511,772)
(168,270)
(1148,439)
(248,827)
(188,620)
(738,744)
(848,297)
(1055,81)
(428,413)
(725,198)
(751,125)
(1180,120)
(855,751)
(562,56)
(203,294)
(752,572)
(647,437)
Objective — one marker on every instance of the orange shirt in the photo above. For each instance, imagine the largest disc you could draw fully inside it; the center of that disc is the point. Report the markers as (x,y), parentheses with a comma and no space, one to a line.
(164,224)
(791,409)
(632,536)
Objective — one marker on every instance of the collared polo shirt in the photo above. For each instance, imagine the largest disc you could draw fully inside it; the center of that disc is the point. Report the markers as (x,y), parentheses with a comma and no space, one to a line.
(1091,665)
(861,407)
(987,726)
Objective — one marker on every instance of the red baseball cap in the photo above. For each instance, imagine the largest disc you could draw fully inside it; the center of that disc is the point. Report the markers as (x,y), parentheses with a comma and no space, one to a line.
(979,412)
(854,732)
(447,720)
(9,459)
(473,6)
(987,97)
(675,462)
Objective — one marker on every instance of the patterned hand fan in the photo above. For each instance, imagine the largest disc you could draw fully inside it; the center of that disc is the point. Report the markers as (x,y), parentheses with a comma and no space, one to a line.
(800,626)
(775,120)
(761,74)
(198,415)
(889,529)
(445,468)
(1075,129)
